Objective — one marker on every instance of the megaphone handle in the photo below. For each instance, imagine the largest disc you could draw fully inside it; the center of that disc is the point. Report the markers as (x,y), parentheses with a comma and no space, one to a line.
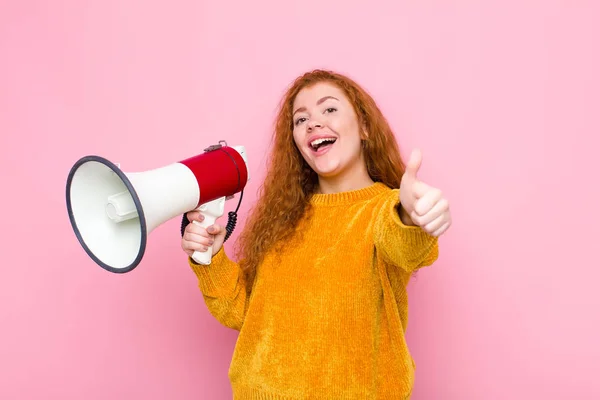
(204,257)
(211,211)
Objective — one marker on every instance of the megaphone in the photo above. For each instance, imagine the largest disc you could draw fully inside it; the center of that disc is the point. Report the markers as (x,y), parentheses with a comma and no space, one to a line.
(112,212)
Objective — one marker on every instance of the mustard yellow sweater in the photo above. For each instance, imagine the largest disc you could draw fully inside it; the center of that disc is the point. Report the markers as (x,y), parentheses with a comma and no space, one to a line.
(325,318)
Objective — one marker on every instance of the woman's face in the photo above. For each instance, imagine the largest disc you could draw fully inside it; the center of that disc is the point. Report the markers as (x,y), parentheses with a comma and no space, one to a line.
(326,130)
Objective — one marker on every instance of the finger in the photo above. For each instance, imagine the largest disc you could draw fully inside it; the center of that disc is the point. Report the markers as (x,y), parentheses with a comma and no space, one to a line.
(190,215)
(426,202)
(442,229)
(195,238)
(438,209)
(414,163)
(195,216)
(435,224)
(197,229)
(193,246)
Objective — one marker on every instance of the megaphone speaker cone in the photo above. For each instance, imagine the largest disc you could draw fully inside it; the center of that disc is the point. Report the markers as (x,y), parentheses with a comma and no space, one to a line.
(114,237)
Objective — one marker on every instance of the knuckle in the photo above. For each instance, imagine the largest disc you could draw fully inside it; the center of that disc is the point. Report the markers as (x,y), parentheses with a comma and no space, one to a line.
(196,229)
(419,209)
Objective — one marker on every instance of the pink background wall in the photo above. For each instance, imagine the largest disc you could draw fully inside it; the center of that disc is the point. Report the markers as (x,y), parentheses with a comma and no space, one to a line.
(503,98)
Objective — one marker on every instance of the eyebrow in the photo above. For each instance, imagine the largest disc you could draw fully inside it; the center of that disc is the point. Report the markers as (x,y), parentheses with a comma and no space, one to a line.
(321,100)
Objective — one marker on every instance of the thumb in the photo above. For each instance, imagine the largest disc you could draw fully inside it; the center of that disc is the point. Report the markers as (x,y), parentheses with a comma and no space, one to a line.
(414,163)
(215,229)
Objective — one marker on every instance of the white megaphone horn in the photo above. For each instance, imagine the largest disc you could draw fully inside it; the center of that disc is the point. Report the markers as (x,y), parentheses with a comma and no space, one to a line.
(112,212)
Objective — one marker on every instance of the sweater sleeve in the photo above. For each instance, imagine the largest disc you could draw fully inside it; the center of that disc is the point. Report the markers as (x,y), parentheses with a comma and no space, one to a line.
(223,287)
(408,247)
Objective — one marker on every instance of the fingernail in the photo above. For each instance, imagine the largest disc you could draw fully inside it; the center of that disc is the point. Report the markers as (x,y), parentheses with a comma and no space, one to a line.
(211,229)
(210,242)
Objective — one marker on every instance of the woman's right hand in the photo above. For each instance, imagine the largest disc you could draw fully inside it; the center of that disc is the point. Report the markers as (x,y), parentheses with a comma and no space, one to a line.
(196,238)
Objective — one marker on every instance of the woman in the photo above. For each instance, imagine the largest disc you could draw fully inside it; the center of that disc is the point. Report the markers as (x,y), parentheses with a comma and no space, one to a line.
(340,224)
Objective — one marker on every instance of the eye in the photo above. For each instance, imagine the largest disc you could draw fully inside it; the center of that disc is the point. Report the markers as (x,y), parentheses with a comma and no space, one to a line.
(331,109)
(299,121)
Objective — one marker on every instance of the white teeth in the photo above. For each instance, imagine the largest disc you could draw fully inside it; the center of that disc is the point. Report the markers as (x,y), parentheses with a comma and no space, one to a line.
(317,142)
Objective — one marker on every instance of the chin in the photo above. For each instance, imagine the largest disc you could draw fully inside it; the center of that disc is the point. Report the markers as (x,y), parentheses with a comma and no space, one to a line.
(328,171)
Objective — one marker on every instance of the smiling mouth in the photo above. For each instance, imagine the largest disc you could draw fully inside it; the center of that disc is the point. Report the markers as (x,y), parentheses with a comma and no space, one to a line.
(319,144)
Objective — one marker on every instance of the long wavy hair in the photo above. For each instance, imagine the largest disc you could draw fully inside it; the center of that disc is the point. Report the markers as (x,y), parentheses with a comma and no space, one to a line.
(284,198)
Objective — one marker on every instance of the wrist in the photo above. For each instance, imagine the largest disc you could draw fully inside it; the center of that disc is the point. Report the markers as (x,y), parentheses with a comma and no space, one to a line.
(404,217)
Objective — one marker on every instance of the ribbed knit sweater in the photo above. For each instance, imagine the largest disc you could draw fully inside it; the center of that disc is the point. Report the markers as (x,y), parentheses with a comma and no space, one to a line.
(326,317)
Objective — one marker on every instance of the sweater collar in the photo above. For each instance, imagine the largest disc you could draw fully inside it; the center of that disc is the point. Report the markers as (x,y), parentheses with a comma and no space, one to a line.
(349,197)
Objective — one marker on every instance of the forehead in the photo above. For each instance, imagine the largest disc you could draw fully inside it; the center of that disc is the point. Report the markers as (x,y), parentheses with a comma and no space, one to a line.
(310,95)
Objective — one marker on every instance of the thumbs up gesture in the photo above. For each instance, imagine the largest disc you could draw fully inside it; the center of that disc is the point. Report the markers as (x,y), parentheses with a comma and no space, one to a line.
(424,205)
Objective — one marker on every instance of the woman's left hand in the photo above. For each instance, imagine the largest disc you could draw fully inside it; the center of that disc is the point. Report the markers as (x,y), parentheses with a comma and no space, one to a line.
(426,206)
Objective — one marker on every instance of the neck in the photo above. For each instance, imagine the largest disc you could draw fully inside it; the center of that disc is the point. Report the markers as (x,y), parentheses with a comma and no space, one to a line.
(353,179)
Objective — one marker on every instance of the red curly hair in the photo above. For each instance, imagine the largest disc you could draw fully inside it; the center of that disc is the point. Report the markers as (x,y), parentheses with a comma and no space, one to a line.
(283,198)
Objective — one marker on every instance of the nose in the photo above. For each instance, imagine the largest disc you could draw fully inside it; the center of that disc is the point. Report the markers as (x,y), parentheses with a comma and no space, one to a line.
(314,124)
